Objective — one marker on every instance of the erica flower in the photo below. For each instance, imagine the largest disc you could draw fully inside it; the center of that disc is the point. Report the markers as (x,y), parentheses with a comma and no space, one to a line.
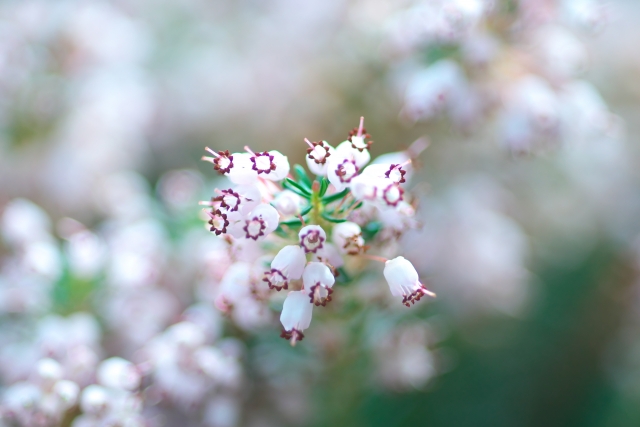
(358,137)
(238,201)
(218,222)
(317,155)
(287,265)
(296,315)
(288,203)
(346,199)
(258,224)
(318,281)
(236,166)
(271,165)
(403,281)
(356,148)
(347,236)
(341,170)
(312,238)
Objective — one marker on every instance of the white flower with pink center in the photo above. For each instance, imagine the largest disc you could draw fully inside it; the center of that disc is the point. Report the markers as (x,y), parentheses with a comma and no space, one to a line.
(312,238)
(318,281)
(287,265)
(403,281)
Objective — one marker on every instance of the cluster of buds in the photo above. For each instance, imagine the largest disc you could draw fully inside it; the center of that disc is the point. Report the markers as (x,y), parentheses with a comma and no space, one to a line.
(312,225)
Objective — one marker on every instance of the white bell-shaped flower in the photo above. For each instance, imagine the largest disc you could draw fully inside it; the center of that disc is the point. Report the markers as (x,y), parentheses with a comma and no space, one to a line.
(66,393)
(287,202)
(347,236)
(287,265)
(396,172)
(237,202)
(356,147)
(236,166)
(258,224)
(318,155)
(118,373)
(242,172)
(346,149)
(271,165)
(341,170)
(312,238)
(378,190)
(329,255)
(390,194)
(318,281)
(296,315)
(403,281)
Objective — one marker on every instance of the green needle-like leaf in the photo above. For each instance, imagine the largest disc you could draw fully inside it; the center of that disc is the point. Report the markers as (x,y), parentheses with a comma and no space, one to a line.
(324,184)
(291,222)
(290,184)
(332,219)
(333,197)
(306,210)
(303,178)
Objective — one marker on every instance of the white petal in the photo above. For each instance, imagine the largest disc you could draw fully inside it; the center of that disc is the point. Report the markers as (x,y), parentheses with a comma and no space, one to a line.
(242,172)
(296,311)
(288,203)
(317,272)
(290,261)
(250,198)
(269,214)
(320,169)
(329,253)
(365,187)
(401,276)
(332,176)
(312,231)
(361,157)
(282,167)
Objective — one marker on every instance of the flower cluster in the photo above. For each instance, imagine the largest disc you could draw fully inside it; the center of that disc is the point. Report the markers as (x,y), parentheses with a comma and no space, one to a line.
(520,69)
(312,226)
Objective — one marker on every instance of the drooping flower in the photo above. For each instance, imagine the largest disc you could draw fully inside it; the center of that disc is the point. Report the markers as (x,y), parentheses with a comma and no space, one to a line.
(404,281)
(296,315)
(318,281)
(287,265)
(347,236)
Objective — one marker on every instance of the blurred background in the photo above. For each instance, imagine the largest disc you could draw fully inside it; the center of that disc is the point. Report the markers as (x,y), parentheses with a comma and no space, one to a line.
(529,204)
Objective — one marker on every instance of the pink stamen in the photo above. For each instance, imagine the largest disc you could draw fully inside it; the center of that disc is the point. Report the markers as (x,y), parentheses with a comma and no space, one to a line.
(208,159)
(249,150)
(428,292)
(216,155)
(361,126)
(408,162)
(308,143)
(375,258)
(206,203)
(418,146)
